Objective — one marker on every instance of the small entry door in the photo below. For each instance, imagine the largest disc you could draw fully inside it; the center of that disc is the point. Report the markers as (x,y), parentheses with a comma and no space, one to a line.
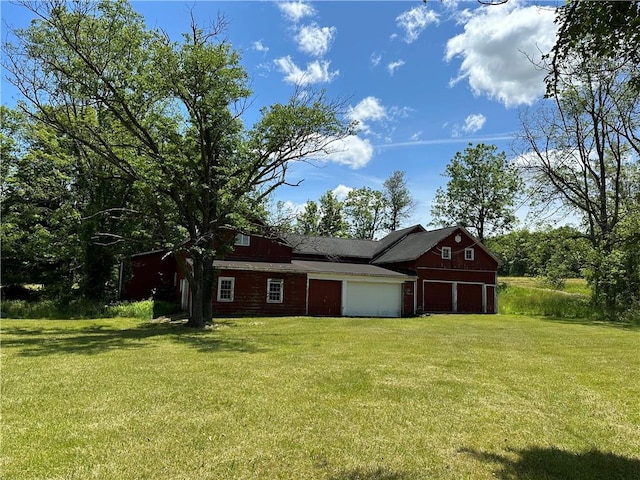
(325,298)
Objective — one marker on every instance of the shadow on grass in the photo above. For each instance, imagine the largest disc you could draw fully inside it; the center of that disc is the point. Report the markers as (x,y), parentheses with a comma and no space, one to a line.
(590,322)
(96,339)
(555,464)
(379,473)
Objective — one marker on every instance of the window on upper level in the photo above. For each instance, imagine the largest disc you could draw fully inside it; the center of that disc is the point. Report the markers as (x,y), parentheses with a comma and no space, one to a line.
(446,253)
(242,240)
(469,253)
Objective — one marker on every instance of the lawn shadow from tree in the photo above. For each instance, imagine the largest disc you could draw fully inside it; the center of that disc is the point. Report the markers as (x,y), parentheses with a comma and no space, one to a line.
(98,339)
(588,322)
(378,473)
(551,463)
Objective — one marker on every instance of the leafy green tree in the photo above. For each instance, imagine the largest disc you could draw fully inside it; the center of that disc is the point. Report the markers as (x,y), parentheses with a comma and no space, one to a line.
(308,221)
(39,219)
(332,222)
(399,202)
(365,211)
(606,31)
(582,150)
(167,116)
(56,206)
(481,192)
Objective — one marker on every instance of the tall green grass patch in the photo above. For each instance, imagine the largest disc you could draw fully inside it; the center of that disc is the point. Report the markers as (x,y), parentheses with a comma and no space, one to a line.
(78,309)
(517,299)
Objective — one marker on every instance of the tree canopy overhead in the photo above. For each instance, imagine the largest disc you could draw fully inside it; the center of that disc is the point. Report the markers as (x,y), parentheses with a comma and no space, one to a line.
(167,116)
(605,30)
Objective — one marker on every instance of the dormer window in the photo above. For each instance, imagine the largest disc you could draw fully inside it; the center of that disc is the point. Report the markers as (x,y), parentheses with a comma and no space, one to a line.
(469,254)
(242,240)
(446,253)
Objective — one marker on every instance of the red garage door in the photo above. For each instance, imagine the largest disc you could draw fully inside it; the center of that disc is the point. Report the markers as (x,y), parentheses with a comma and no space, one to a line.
(438,297)
(469,298)
(325,298)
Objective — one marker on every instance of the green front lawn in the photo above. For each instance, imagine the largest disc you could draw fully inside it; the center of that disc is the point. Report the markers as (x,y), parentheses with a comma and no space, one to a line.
(440,397)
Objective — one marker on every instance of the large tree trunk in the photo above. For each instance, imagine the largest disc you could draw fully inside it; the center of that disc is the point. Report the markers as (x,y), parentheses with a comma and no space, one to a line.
(201,285)
(196,284)
(208,287)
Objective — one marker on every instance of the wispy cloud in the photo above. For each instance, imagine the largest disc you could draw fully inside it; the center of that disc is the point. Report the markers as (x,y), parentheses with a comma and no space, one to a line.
(472,124)
(393,66)
(259,47)
(296,11)
(414,21)
(315,40)
(369,108)
(315,72)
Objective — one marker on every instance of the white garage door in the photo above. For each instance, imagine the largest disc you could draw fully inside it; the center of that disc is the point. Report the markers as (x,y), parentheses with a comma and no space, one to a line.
(365,299)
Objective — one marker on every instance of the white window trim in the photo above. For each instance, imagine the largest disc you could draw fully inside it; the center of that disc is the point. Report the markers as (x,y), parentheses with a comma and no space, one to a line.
(233,288)
(446,253)
(242,240)
(275,281)
(469,254)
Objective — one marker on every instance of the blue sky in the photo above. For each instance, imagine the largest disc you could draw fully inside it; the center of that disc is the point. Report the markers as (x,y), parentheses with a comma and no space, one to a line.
(422,79)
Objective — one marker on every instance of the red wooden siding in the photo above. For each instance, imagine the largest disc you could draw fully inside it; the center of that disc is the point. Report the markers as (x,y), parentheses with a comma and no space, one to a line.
(261,249)
(482,260)
(148,272)
(250,294)
(408,298)
(325,298)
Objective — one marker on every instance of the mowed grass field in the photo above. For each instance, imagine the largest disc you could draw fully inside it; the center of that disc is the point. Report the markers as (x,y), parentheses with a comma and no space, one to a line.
(439,397)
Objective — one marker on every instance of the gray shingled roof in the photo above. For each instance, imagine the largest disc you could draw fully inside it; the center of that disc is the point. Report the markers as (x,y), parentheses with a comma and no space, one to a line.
(332,247)
(359,269)
(414,245)
(393,237)
(258,266)
(305,266)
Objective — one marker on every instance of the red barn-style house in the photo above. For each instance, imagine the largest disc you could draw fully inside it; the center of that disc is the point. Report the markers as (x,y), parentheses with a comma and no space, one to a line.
(408,272)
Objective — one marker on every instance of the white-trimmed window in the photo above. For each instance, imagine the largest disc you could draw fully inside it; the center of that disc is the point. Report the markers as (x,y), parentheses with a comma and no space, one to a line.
(275,293)
(446,253)
(226,287)
(242,240)
(469,254)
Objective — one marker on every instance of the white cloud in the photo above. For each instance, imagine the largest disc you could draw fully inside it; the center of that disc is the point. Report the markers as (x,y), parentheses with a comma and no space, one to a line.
(416,136)
(316,71)
(295,11)
(258,46)
(497,49)
(393,66)
(315,40)
(414,21)
(351,151)
(473,123)
(375,59)
(341,192)
(369,108)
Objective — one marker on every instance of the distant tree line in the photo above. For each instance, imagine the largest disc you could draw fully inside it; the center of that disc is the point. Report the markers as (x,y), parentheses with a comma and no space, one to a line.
(365,213)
